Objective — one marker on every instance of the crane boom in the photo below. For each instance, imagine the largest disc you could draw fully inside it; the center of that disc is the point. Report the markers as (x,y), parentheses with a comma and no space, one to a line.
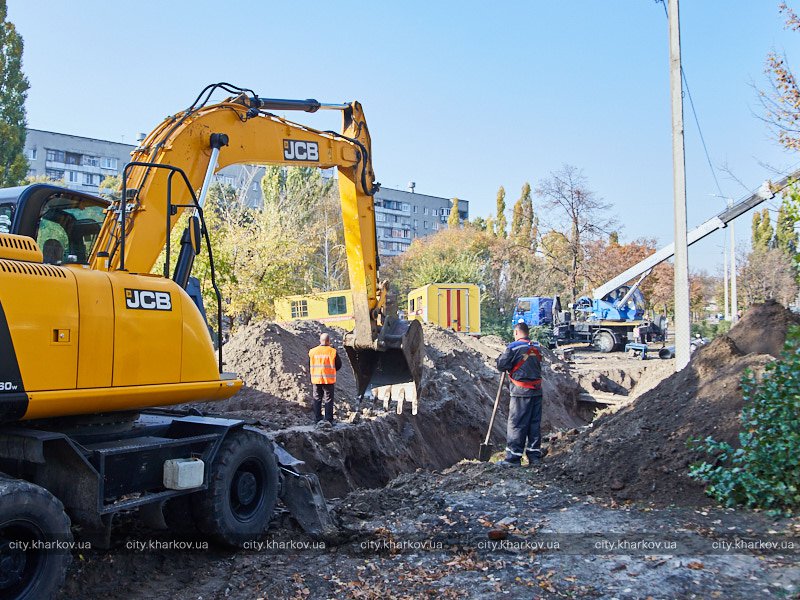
(765,192)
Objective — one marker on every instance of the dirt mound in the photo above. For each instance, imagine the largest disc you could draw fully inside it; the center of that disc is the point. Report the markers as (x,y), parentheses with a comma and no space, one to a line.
(762,329)
(641,452)
(272,360)
(367,447)
(457,394)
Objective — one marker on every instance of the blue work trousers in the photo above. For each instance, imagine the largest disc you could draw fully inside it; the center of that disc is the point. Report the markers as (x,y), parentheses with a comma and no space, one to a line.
(523,433)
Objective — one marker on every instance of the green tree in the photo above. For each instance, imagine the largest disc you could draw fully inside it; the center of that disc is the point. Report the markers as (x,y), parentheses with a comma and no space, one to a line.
(761,231)
(785,233)
(501,224)
(481,223)
(516,220)
(13,90)
(454,220)
(525,235)
(111,188)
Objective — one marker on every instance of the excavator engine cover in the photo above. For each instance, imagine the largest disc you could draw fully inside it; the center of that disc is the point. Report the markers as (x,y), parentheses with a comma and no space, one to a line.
(395,371)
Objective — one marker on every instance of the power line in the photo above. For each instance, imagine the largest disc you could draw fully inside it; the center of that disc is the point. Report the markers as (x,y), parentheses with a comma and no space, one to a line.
(694,114)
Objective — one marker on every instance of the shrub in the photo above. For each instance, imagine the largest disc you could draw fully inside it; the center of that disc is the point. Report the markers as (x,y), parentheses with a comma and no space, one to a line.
(765,471)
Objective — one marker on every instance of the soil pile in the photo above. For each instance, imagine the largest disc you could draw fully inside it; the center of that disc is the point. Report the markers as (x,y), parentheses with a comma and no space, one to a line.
(641,452)
(368,446)
(762,329)
(272,360)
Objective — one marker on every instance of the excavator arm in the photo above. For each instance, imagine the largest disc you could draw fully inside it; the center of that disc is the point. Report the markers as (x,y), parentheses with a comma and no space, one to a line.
(386,353)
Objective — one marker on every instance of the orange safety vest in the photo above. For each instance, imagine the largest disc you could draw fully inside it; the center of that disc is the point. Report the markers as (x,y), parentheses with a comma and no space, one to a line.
(323,364)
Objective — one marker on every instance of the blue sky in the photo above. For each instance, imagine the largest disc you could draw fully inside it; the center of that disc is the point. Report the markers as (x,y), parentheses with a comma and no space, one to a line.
(461,97)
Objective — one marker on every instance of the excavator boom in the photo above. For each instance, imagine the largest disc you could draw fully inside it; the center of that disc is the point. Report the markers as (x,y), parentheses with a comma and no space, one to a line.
(385,353)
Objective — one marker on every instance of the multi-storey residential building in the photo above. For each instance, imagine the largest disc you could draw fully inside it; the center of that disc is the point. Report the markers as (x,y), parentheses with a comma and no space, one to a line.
(402,216)
(82,163)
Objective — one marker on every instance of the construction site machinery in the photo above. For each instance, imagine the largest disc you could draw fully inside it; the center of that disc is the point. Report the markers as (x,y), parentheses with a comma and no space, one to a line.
(91,340)
(615,313)
(455,306)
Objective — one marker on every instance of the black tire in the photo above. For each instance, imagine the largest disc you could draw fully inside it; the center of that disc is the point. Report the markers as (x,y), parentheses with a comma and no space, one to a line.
(604,341)
(242,492)
(29,513)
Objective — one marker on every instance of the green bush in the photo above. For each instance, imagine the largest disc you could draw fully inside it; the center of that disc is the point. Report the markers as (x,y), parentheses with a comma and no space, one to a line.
(765,471)
(710,330)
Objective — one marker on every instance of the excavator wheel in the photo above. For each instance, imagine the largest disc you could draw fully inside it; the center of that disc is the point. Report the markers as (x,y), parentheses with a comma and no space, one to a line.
(32,516)
(242,491)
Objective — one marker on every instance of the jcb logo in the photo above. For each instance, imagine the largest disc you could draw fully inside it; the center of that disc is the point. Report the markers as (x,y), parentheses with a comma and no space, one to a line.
(298,150)
(147,300)
(7,386)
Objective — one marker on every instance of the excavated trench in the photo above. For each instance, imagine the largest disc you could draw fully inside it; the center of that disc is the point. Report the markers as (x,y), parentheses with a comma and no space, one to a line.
(367,447)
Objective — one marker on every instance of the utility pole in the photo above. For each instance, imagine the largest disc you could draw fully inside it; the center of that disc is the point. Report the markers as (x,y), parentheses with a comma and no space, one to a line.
(682,321)
(734,298)
(725,276)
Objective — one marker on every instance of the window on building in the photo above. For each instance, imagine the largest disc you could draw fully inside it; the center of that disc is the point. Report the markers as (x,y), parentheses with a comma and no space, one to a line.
(426,210)
(379,216)
(73,158)
(416,223)
(299,309)
(88,179)
(108,162)
(424,224)
(30,153)
(383,246)
(337,305)
(435,226)
(55,155)
(72,176)
(54,174)
(91,161)
(415,209)
(406,207)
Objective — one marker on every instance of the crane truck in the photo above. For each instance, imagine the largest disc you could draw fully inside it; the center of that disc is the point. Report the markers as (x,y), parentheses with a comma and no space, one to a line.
(615,313)
(92,343)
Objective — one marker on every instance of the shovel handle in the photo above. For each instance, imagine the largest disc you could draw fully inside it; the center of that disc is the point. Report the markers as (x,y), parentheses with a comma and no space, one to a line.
(494,410)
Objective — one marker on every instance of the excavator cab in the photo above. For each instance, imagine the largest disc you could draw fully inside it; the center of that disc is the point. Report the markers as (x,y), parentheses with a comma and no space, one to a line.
(65,223)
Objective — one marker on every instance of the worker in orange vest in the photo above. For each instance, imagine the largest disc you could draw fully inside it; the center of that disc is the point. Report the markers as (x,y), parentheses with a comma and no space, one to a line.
(323,364)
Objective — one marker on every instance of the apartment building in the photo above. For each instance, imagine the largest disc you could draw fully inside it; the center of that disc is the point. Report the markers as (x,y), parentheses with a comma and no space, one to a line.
(81,163)
(402,216)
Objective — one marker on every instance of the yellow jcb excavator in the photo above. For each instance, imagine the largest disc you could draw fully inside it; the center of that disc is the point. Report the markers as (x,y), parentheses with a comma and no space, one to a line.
(91,341)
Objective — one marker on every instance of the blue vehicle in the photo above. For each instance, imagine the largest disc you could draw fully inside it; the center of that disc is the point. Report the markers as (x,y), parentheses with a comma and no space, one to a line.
(534,311)
(607,323)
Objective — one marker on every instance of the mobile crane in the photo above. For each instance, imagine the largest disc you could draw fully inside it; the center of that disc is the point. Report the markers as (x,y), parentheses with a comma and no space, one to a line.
(91,341)
(616,309)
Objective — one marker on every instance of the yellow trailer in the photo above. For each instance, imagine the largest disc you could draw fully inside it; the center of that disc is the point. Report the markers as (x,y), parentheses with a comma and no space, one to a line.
(335,309)
(455,306)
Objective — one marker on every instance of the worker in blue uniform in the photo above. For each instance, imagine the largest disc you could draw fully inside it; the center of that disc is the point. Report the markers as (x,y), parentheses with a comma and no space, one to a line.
(522,360)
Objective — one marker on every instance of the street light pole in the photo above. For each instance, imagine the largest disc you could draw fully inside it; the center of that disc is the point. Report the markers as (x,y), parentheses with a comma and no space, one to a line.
(734,297)
(682,320)
(725,276)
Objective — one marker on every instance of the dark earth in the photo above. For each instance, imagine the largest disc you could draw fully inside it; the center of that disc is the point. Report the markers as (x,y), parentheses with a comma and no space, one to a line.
(611,514)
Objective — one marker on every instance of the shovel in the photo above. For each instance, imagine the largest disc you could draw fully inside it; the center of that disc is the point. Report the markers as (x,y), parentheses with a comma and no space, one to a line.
(486,449)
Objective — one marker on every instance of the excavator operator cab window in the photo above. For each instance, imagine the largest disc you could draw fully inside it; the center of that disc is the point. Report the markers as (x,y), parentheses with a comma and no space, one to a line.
(6,217)
(68,227)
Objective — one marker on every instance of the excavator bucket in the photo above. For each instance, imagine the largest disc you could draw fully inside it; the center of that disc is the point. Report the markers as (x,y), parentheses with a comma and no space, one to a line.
(394,372)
